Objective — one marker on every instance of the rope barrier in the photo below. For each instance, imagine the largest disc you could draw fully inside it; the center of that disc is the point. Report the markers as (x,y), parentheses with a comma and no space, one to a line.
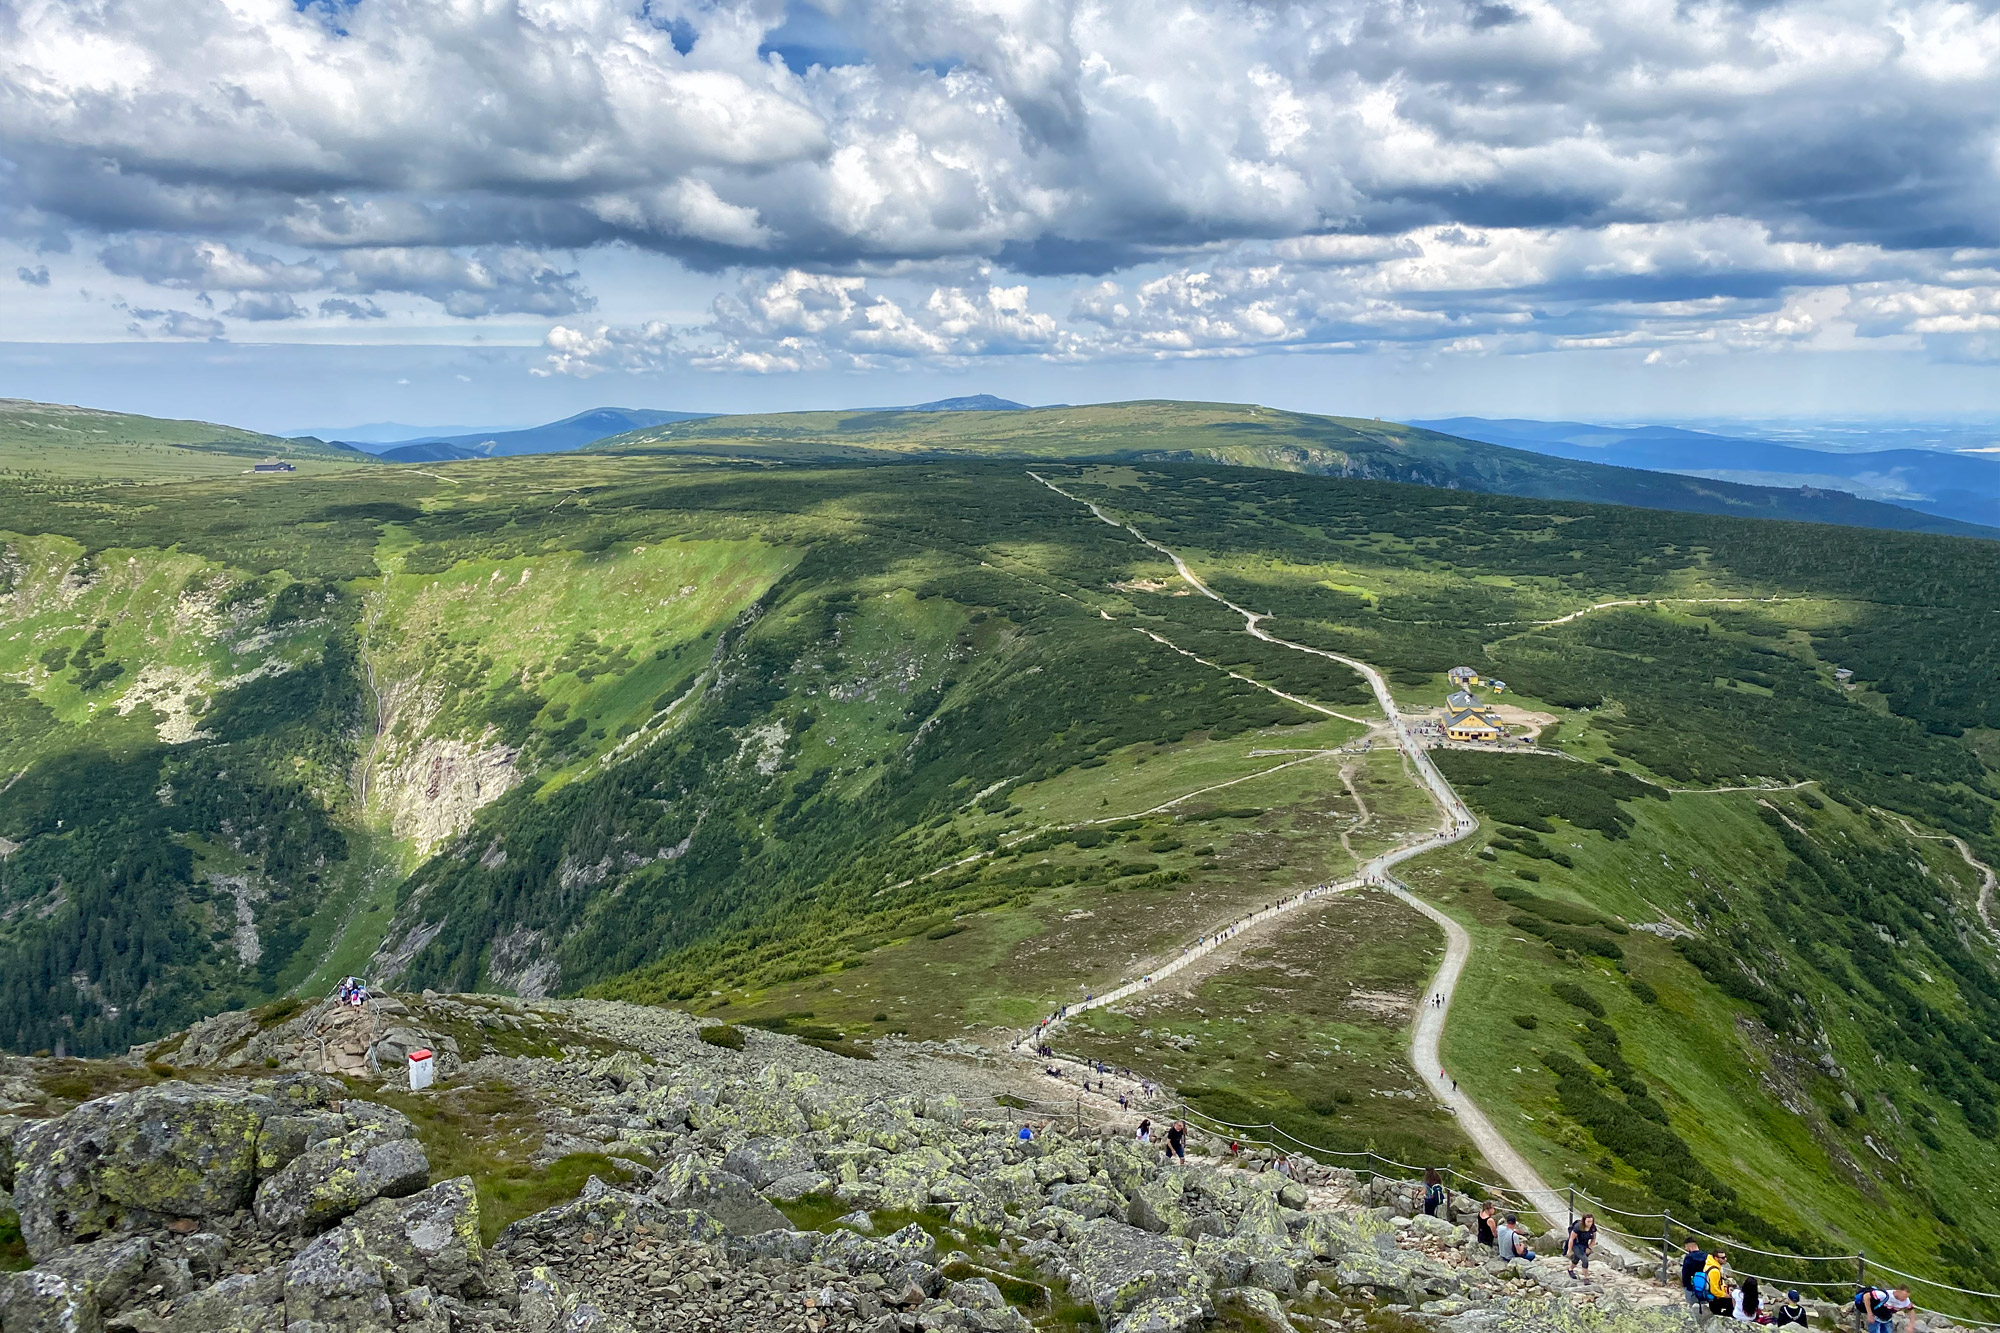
(1599,1205)
(1189,1112)
(1605,1207)
(1774,1254)
(1933,1282)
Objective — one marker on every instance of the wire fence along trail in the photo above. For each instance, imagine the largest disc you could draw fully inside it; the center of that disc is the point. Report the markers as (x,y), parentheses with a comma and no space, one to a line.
(1846,1273)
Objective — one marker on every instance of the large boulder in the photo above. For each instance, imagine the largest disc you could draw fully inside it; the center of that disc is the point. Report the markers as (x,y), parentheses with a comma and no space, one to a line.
(690,1182)
(762,1162)
(103,1272)
(1137,1281)
(1262,1223)
(902,1258)
(39,1301)
(209,1040)
(170,1151)
(600,1208)
(334,1177)
(1088,1200)
(283,1137)
(1333,1235)
(1155,1205)
(348,1280)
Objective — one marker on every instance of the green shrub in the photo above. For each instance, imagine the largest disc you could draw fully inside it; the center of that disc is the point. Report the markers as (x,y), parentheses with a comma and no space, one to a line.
(1528,1021)
(723,1035)
(1571,993)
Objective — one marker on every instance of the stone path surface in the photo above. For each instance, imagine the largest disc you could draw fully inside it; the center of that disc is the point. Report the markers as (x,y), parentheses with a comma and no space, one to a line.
(1458,822)
(1425,1036)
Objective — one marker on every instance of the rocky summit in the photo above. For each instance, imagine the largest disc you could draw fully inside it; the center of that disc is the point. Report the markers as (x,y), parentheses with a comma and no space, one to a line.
(752,1183)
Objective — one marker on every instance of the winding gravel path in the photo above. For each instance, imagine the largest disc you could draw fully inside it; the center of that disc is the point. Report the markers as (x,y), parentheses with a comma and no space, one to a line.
(1457,823)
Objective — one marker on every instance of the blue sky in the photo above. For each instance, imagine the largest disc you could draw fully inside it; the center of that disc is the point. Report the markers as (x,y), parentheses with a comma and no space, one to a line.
(279,213)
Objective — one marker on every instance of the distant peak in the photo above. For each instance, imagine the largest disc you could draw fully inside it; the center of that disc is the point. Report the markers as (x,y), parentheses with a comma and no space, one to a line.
(978,402)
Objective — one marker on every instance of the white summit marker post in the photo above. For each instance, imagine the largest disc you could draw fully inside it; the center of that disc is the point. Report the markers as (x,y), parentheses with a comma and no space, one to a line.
(423,1068)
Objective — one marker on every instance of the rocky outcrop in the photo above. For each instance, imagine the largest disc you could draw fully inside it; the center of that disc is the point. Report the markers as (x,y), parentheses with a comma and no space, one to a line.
(285,1206)
(372,1041)
(1138,1281)
(172,1151)
(338,1175)
(386,1267)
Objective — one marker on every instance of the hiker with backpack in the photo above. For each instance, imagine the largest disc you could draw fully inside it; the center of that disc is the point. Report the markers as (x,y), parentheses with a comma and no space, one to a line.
(1692,1262)
(1712,1285)
(1582,1240)
(1879,1309)
(1433,1192)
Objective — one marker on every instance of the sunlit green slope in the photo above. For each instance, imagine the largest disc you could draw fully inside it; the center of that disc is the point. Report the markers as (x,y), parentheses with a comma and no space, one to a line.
(52,440)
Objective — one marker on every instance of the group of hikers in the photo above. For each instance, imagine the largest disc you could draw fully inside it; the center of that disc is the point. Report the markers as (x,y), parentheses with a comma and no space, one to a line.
(353,992)
(1708,1290)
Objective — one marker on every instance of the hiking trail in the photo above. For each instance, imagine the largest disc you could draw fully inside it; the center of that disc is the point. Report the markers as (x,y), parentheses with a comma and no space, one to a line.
(1457,823)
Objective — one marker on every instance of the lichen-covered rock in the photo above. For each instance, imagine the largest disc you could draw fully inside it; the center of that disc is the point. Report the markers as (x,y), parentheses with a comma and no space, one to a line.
(38,1301)
(1260,1306)
(979,1213)
(902,1258)
(1262,1223)
(763,1161)
(1225,1259)
(283,1137)
(337,1285)
(103,1271)
(334,1177)
(240,1303)
(1437,1228)
(168,1151)
(1137,1281)
(1156,1206)
(600,1208)
(344,1281)
(1013,1187)
(209,1040)
(690,1182)
(1333,1235)
(1560,1316)
(549,1305)
(8,1125)
(1088,1200)
(786,1189)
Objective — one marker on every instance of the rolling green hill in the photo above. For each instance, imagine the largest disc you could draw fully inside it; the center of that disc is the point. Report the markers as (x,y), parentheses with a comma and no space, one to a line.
(1262,437)
(52,440)
(911,741)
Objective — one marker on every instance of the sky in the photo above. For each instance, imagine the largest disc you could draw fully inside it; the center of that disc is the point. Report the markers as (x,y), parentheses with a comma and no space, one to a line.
(292,213)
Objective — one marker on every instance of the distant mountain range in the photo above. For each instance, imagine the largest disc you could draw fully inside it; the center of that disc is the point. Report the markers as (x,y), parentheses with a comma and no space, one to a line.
(585,428)
(554,438)
(1250,436)
(1950,485)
